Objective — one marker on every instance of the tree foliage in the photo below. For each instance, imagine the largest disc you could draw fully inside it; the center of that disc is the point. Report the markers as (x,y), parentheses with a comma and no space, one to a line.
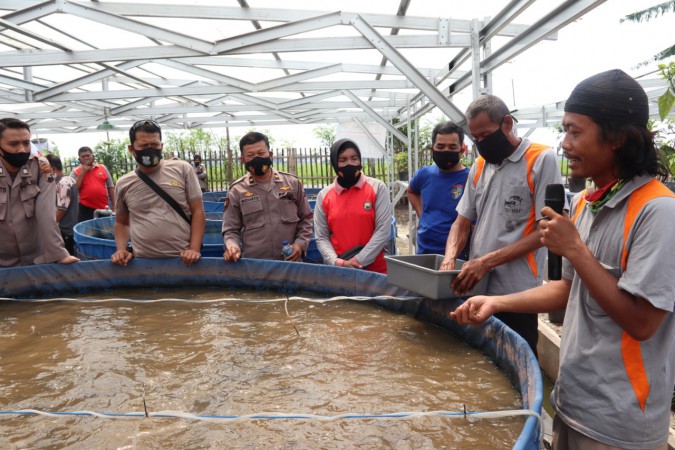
(664,137)
(667,99)
(326,134)
(113,154)
(650,13)
(185,144)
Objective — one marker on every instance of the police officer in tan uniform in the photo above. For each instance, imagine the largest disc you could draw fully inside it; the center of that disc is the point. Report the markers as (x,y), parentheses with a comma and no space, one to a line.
(264,208)
(28,226)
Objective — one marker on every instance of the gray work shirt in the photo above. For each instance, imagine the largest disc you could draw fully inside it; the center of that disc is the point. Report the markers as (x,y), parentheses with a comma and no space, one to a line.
(28,226)
(257,217)
(593,393)
(506,209)
(156,229)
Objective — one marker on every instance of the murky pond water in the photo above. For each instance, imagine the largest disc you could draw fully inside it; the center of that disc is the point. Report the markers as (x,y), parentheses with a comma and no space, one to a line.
(240,358)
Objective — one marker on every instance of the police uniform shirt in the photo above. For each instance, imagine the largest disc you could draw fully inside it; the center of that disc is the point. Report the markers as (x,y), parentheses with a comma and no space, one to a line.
(258,217)
(28,226)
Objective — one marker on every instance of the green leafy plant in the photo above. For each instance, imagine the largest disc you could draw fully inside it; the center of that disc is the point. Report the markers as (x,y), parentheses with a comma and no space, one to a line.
(114,155)
(401,161)
(667,99)
(325,133)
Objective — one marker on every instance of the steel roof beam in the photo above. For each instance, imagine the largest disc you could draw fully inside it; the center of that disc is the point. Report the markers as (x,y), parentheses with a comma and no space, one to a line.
(46,93)
(223,89)
(278,83)
(29,12)
(137,27)
(52,57)
(18,29)
(564,14)
(503,18)
(21,84)
(375,116)
(204,73)
(296,65)
(286,15)
(410,71)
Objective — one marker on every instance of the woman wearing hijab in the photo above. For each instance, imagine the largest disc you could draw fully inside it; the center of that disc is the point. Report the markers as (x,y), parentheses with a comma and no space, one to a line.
(353,215)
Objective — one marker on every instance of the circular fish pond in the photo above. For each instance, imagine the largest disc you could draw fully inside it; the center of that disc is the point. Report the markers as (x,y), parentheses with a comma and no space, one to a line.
(251,354)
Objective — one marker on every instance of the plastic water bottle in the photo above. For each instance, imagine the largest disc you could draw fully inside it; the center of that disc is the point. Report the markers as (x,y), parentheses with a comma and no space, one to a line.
(286,249)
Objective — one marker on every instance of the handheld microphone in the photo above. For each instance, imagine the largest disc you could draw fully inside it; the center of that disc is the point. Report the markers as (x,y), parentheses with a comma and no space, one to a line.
(555,199)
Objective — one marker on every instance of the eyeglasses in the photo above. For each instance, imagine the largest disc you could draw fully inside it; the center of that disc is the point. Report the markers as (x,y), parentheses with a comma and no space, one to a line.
(144,123)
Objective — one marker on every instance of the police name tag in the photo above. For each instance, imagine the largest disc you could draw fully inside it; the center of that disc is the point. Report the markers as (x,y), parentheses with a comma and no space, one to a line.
(255,198)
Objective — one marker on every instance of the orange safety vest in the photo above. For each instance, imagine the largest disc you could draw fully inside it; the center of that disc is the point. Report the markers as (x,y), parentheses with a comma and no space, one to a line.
(630,348)
(531,155)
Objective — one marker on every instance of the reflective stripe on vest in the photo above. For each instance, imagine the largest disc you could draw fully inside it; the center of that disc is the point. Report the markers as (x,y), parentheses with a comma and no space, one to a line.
(531,155)
(630,348)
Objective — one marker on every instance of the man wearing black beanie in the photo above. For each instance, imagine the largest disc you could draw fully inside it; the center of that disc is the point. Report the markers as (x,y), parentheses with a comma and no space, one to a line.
(617,369)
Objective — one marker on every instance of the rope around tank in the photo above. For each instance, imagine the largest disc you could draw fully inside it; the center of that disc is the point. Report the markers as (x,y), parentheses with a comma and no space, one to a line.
(217,300)
(264,415)
(469,415)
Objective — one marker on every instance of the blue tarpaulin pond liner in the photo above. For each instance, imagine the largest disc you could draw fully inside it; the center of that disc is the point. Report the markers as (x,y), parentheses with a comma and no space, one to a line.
(220,196)
(508,350)
(95,239)
(214,196)
(214,207)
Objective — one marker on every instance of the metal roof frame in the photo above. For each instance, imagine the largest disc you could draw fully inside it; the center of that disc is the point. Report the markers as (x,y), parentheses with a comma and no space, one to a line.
(125,83)
(192,80)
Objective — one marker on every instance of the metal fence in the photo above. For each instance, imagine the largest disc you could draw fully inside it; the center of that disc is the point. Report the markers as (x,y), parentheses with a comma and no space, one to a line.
(310,165)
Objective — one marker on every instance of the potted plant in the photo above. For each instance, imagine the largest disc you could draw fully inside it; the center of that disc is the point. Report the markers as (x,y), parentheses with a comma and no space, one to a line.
(401,165)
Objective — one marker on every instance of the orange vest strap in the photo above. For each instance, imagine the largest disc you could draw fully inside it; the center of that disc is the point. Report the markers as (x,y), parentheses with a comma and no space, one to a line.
(630,348)
(635,368)
(531,155)
(480,164)
(580,206)
(638,199)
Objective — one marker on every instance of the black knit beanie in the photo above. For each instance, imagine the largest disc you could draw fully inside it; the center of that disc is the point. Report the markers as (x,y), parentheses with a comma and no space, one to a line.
(610,96)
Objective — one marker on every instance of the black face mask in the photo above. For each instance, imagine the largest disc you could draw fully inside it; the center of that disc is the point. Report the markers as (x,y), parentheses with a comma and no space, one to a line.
(16,159)
(148,157)
(258,165)
(349,175)
(495,147)
(445,160)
